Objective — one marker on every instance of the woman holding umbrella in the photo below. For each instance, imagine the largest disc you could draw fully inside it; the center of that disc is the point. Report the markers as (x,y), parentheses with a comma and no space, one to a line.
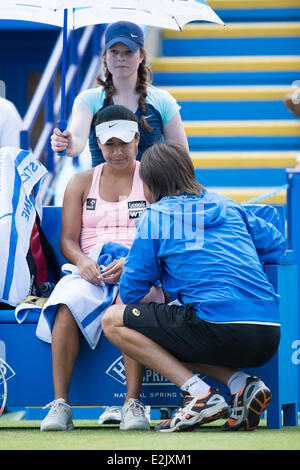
(127,82)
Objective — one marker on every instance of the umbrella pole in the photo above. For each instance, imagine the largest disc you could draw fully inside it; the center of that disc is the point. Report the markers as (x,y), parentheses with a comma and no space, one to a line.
(62,123)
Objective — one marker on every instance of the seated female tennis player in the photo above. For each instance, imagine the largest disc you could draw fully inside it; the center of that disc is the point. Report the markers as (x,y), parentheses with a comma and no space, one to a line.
(96,210)
(207,250)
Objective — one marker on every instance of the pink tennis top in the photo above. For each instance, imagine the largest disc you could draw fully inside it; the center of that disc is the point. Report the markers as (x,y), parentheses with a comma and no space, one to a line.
(104,221)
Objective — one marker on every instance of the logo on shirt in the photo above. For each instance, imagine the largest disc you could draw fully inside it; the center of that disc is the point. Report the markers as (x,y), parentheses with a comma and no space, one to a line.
(135,208)
(91,204)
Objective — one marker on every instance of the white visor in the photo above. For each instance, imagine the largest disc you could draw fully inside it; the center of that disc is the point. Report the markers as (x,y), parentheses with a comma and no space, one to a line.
(123,130)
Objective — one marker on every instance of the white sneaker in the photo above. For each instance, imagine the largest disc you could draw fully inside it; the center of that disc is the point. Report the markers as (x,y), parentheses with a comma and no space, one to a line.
(111,415)
(134,416)
(59,417)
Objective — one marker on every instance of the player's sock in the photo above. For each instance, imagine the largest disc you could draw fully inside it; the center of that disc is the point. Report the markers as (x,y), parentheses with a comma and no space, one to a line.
(237,381)
(195,387)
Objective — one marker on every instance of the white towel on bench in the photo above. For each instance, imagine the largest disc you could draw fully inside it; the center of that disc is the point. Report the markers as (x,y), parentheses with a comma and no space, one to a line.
(21,175)
(87,302)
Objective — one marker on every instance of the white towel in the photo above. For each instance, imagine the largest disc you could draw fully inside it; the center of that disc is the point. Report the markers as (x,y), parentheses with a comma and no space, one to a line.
(87,302)
(20,177)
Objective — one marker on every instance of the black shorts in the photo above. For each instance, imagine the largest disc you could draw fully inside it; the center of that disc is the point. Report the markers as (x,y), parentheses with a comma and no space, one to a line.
(181,332)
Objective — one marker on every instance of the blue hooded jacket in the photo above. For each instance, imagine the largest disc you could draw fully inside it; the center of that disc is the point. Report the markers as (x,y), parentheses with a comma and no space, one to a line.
(207,251)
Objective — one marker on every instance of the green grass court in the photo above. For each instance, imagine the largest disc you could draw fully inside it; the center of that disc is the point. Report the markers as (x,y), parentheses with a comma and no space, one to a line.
(88,435)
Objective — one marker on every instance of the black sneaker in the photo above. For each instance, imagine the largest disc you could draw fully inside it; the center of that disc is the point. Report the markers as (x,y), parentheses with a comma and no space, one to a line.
(193,411)
(247,406)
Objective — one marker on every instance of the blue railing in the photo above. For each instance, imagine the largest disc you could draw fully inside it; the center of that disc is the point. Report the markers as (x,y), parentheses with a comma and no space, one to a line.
(46,97)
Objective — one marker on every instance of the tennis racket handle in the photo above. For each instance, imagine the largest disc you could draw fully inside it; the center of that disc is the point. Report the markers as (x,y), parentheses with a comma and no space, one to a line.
(62,126)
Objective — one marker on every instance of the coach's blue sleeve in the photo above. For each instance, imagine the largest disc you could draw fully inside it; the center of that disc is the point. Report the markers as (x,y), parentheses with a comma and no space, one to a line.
(268,241)
(142,267)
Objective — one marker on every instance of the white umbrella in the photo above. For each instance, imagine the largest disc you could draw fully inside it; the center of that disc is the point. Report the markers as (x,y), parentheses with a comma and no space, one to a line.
(73,14)
(170,14)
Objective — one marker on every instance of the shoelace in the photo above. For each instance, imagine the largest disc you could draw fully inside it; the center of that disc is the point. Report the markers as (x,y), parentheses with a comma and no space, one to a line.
(182,404)
(55,407)
(234,408)
(178,410)
(137,408)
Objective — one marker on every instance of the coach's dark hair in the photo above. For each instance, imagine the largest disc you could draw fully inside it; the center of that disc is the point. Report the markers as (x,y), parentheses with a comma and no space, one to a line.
(168,170)
(113,113)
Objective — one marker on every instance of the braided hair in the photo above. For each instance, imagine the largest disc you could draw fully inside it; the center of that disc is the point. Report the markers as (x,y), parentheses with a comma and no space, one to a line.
(143,80)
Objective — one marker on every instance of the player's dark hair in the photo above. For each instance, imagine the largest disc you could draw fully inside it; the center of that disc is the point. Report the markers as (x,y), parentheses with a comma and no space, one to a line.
(113,113)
